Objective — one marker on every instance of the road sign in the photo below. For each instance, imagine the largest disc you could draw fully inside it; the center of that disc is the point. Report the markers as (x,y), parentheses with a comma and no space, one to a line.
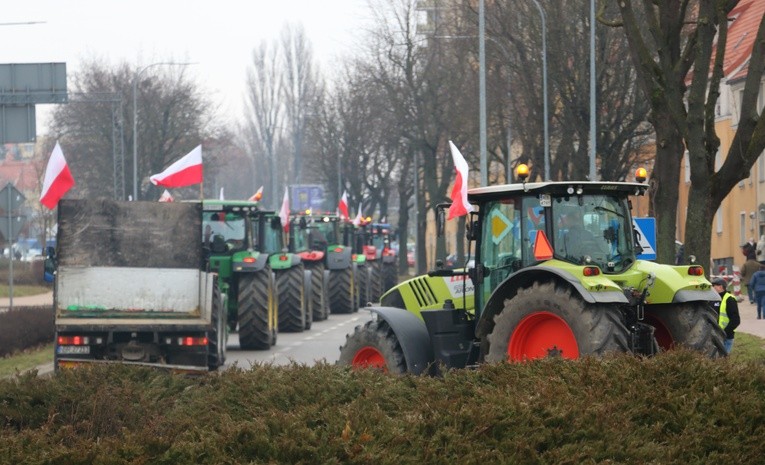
(11,198)
(10,201)
(646,237)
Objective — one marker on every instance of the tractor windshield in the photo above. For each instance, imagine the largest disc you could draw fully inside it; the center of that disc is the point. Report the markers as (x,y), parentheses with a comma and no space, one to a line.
(328,230)
(593,229)
(224,228)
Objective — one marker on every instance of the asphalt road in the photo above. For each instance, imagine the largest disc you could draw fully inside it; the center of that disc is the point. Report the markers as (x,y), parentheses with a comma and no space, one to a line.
(321,343)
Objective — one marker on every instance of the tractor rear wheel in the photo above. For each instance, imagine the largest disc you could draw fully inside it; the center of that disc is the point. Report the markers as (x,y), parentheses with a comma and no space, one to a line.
(389,277)
(254,301)
(375,281)
(373,345)
(544,320)
(342,298)
(319,295)
(692,324)
(362,286)
(292,318)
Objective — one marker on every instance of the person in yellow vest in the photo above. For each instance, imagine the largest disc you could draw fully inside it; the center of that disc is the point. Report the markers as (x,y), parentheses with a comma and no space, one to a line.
(727,310)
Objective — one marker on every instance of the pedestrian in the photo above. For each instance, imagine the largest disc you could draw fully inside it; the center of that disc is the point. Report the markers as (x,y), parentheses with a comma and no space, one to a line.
(727,312)
(759,249)
(757,283)
(749,267)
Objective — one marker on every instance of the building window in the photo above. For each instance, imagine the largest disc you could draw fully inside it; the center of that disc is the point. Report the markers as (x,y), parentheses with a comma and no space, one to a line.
(719,221)
(742,228)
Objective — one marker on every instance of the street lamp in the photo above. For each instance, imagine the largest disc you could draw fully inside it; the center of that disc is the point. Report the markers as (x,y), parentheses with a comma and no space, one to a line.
(135,118)
(544,88)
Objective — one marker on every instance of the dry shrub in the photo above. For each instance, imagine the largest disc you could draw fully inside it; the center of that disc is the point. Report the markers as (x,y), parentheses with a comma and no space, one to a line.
(25,327)
(23,272)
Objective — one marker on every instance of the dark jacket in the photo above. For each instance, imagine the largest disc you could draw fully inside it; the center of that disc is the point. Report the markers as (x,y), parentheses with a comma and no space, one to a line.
(758,281)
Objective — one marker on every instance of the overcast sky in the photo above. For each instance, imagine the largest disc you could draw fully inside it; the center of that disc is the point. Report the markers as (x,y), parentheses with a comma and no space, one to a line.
(218,35)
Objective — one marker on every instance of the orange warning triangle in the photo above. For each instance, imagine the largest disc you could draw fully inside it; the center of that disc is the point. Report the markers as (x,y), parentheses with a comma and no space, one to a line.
(542,249)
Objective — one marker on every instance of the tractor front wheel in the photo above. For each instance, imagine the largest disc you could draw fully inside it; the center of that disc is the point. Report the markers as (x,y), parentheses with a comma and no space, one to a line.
(373,345)
(546,321)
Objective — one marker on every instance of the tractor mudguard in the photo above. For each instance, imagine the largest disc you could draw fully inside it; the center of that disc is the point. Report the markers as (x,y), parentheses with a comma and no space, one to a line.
(239,265)
(338,257)
(674,284)
(412,334)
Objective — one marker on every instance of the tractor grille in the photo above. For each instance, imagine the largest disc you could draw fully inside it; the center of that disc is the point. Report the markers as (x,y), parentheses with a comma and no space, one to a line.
(422,291)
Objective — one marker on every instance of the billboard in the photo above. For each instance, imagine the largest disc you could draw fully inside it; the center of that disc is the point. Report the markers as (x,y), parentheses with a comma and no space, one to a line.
(305,196)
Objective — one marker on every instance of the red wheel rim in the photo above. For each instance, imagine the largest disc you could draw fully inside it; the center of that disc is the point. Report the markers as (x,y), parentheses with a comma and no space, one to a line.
(369,357)
(540,335)
(660,333)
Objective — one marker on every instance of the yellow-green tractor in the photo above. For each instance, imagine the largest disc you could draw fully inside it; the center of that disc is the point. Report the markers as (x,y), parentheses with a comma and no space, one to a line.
(555,273)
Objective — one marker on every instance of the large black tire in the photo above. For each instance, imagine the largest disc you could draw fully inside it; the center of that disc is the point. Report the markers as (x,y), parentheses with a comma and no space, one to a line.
(319,292)
(216,339)
(292,318)
(693,325)
(545,320)
(342,293)
(373,345)
(375,281)
(307,301)
(255,298)
(389,277)
(362,286)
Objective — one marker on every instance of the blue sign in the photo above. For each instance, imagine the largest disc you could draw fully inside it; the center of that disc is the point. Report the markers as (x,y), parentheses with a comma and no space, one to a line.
(646,237)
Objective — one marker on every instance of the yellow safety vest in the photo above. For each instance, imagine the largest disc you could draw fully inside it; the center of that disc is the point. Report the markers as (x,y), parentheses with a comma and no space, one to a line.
(723,319)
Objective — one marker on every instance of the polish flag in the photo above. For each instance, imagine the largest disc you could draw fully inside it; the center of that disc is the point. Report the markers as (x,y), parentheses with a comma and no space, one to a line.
(342,206)
(184,172)
(460,205)
(257,195)
(357,221)
(284,213)
(58,179)
(221,196)
(166,197)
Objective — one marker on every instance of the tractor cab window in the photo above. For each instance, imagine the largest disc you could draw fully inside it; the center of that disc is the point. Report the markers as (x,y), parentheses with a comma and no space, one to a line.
(299,237)
(272,239)
(223,231)
(532,222)
(593,229)
(328,230)
(501,243)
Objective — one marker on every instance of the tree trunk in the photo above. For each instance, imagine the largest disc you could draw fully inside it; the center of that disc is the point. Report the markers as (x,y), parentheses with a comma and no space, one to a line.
(664,189)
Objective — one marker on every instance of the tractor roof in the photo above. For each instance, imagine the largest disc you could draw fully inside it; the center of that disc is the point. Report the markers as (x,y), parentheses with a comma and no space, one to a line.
(480,194)
(233,205)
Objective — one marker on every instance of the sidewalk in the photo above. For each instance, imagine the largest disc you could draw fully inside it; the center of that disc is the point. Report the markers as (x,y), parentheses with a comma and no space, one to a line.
(29,300)
(749,322)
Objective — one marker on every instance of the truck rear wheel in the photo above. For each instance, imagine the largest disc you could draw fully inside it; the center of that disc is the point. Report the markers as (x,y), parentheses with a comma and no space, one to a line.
(692,324)
(216,339)
(373,345)
(341,291)
(544,320)
(254,301)
(290,287)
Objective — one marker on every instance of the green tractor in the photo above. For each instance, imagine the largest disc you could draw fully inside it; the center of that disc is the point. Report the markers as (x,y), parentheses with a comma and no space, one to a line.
(312,254)
(245,275)
(293,281)
(329,233)
(368,261)
(381,238)
(556,273)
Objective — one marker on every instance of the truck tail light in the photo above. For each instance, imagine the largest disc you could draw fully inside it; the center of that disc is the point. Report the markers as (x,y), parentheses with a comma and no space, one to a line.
(192,341)
(73,340)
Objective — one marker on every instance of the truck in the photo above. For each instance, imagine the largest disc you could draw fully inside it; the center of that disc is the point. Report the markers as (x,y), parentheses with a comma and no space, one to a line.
(544,286)
(132,286)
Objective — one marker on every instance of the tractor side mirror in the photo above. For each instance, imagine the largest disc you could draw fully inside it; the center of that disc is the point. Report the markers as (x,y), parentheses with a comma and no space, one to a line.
(276,222)
(440,219)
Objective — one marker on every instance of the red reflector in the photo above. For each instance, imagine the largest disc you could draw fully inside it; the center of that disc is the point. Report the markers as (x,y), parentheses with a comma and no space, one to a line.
(338,249)
(248,260)
(193,341)
(72,340)
(542,248)
(353,257)
(696,270)
(283,258)
(591,271)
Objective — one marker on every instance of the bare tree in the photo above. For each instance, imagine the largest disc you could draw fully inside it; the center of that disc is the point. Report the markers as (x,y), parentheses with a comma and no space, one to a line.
(670,42)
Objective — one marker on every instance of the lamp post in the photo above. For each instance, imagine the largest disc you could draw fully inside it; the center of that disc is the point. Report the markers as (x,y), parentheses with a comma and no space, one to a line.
(544,89)
(593,139)
(135,118)
(482,91)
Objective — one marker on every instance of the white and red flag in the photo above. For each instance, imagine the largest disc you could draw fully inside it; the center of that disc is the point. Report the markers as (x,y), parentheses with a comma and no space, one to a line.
(460,205)
(184,172)
(58,179)
(166,197)
(359,218)
(342,207)
(284,213)
(257,195)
